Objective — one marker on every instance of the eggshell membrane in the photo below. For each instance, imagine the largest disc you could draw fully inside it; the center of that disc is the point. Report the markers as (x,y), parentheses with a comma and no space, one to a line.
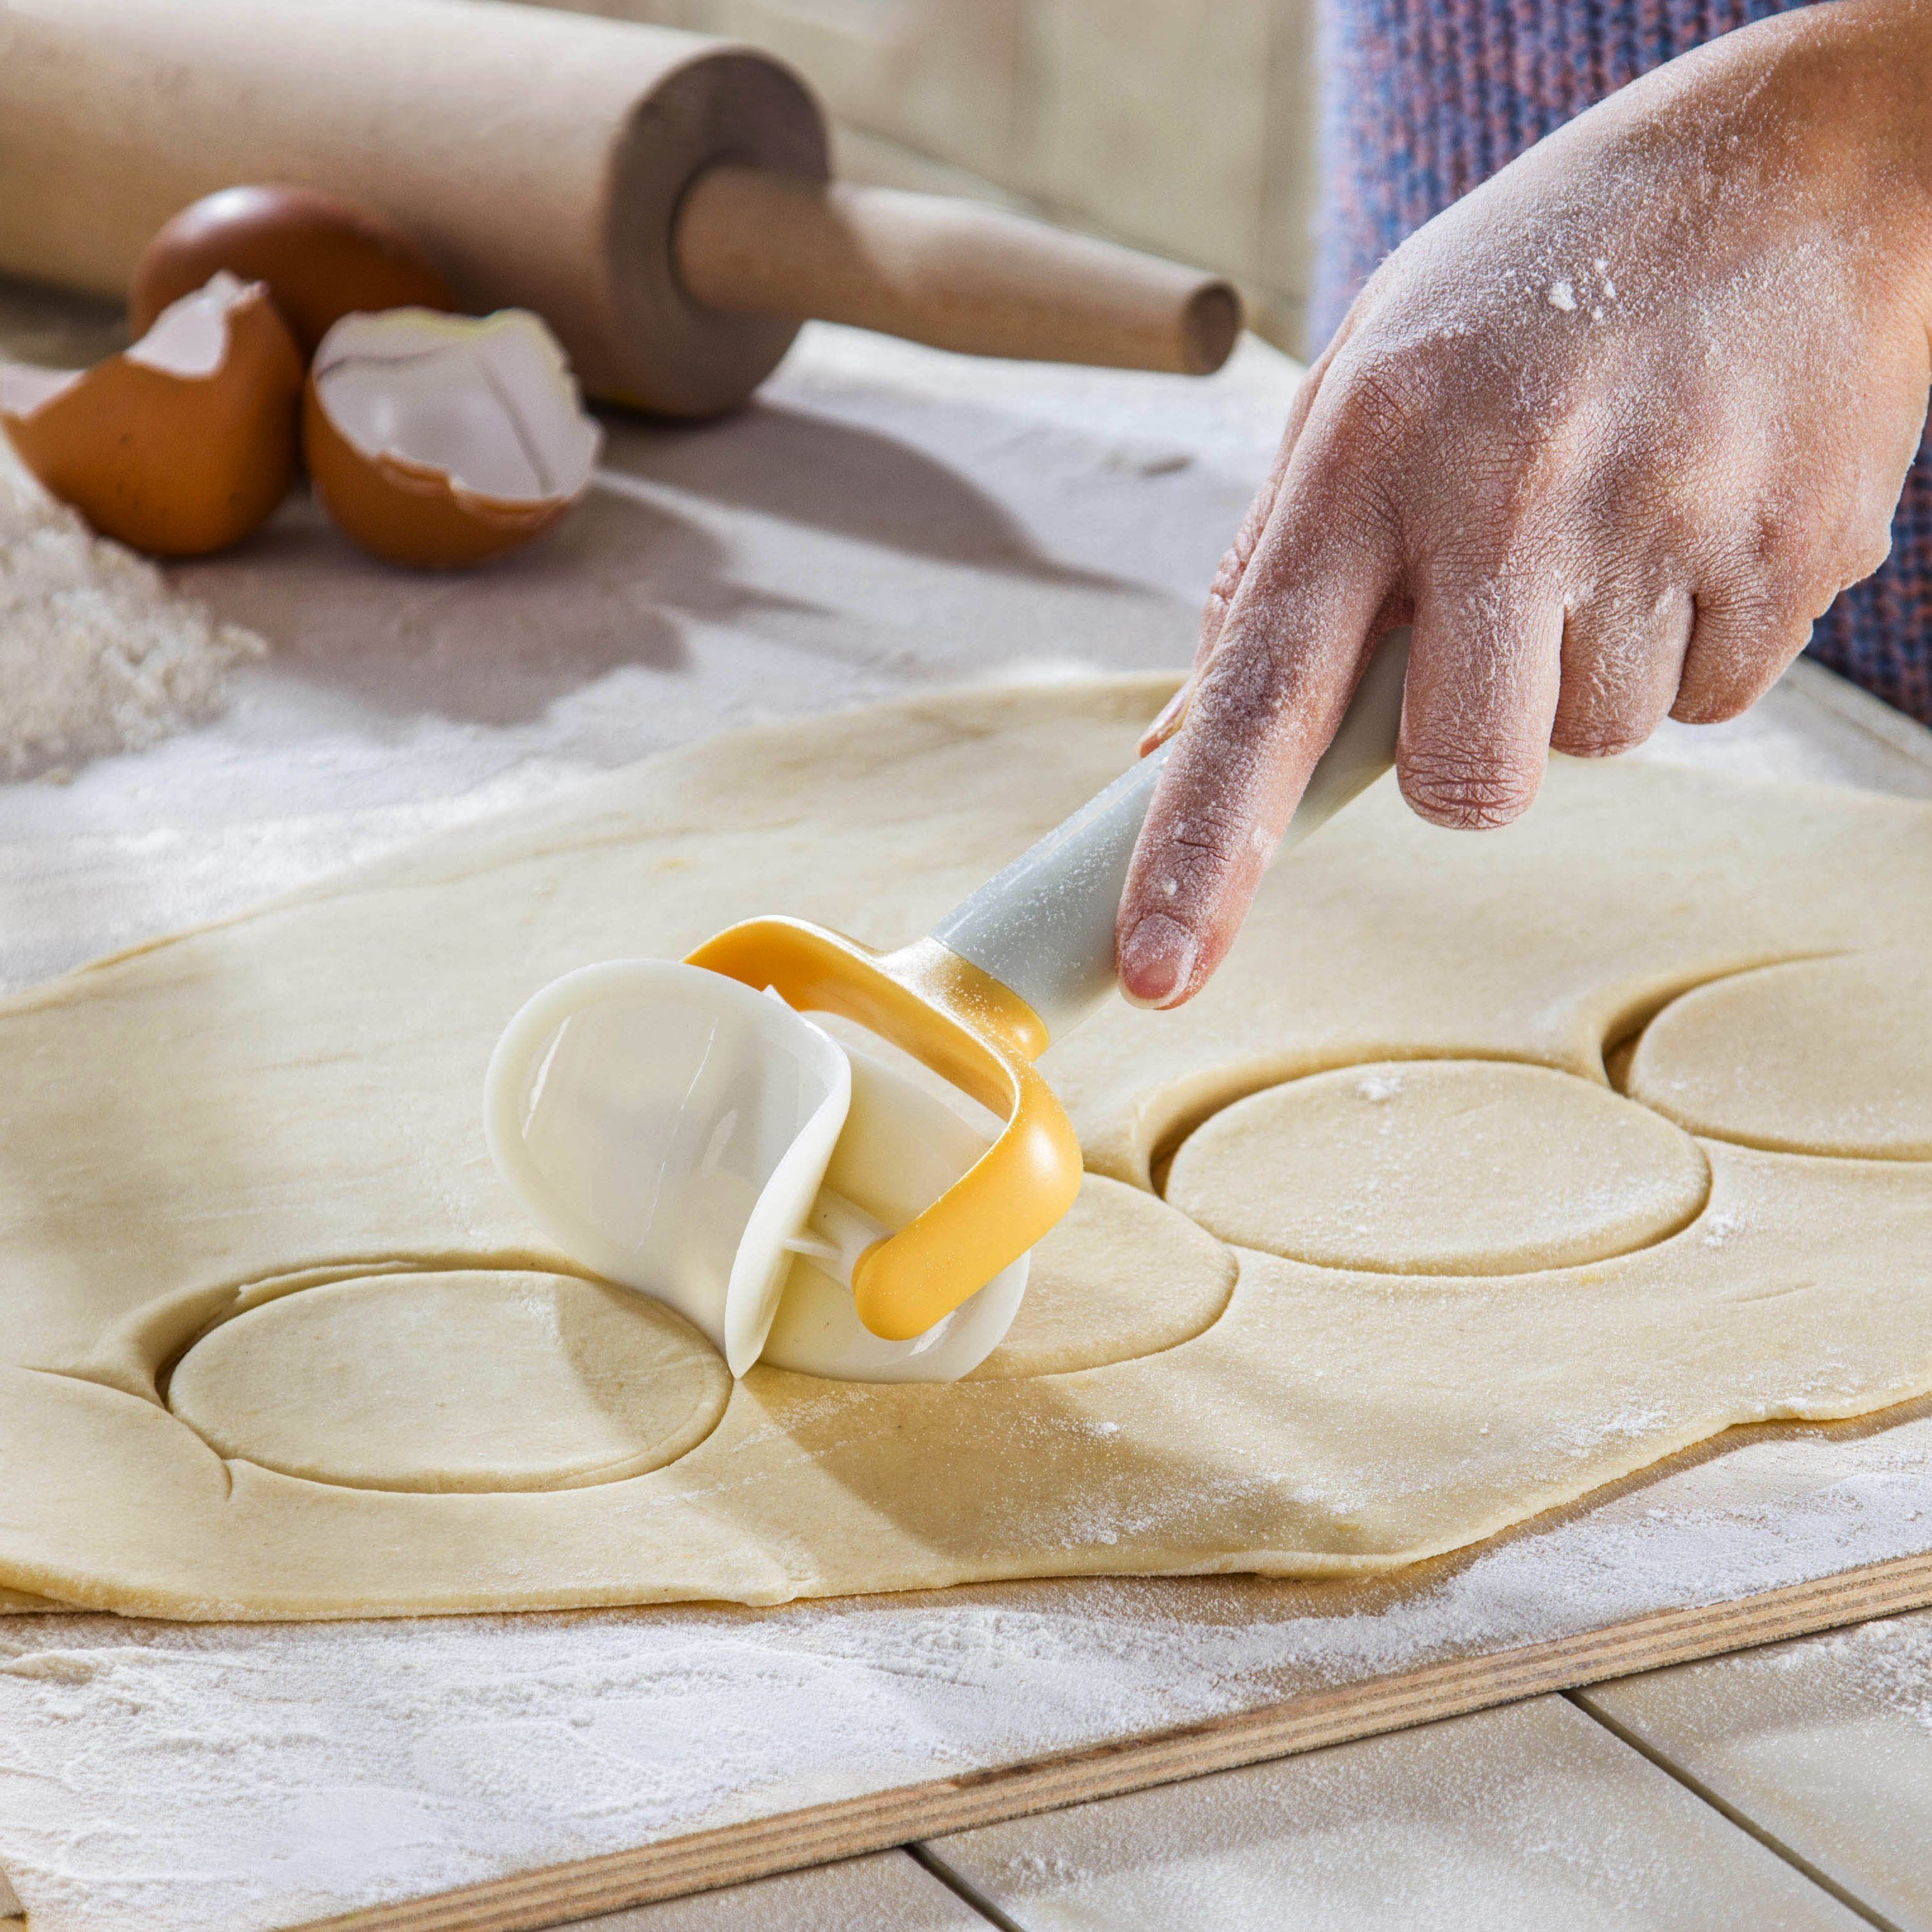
(322,259)
(409,512)
(174,465)
(414,512)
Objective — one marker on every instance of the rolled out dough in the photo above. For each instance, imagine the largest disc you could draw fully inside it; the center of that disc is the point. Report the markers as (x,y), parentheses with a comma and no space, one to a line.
(584,1386)
(1815,1056)
(243,1171)
(1439,1167)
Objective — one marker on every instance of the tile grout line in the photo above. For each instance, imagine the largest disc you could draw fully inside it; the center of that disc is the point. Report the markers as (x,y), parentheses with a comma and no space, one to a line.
(1730,1814)
(961,1887)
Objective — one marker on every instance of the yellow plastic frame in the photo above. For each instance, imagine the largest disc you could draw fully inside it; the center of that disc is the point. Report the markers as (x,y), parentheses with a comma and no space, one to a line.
(956,1019)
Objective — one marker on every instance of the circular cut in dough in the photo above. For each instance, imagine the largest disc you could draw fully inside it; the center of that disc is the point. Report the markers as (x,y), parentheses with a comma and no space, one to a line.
(471,1381)
(1439,1167)
(1819,1056)
(1123,1275)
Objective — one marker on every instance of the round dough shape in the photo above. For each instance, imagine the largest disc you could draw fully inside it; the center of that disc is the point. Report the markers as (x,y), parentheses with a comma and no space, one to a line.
(1123,1275)
(1439,1167)
(1818,1056)
(471,1381)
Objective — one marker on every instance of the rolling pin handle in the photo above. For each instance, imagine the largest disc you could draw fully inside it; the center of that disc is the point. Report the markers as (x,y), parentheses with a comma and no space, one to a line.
(956,275)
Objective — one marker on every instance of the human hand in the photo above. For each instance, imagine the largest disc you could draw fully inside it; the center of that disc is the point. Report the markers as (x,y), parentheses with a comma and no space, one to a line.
(1611,432)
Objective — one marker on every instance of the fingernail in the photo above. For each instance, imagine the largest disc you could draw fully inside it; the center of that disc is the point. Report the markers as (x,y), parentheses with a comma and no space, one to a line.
(1157,961)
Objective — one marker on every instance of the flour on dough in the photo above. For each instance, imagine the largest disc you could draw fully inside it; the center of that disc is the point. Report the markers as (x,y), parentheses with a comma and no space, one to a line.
(1439,1167)
(278,1342)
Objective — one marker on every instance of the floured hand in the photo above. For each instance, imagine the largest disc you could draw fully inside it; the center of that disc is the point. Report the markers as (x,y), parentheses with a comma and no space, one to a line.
(1611,432)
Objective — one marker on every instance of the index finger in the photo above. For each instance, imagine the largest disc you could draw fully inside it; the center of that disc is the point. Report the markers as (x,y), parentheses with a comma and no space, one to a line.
(1265,707)
(1233,567)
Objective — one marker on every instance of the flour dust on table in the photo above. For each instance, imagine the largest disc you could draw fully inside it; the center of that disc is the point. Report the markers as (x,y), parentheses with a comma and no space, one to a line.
(97,654)
(1375,1257)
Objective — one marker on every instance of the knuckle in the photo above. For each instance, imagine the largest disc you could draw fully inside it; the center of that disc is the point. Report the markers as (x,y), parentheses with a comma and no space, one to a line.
(1207,835)
(1779,552)
(1594,739)
(1375,400)
(1243,686)
(1203,837)
(1736,657)
(1348,490)
(1498,550)
(1372,417)
(1228,574)
(1467,790)
(1709,707)
(1508,542)
(1674,533)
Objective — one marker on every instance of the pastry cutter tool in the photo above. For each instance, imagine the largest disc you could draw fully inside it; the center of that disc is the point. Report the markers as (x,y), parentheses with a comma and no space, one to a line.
(696,1131)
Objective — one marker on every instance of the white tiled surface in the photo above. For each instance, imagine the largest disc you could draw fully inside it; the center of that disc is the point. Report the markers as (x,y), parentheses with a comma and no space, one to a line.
(1825,1744)
(889,1893)
(1529,1816)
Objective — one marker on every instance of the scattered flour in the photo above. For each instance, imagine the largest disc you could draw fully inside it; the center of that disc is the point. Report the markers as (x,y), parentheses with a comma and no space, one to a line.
(164,1778)
(1718,1228)
(97,654)
(1891,1662)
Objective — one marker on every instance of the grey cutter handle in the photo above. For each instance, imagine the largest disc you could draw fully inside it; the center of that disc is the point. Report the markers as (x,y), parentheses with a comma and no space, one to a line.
(1045,926)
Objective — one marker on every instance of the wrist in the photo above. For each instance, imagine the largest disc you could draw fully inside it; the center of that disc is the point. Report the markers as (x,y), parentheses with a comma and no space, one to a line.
(1835,96)
(1859,75)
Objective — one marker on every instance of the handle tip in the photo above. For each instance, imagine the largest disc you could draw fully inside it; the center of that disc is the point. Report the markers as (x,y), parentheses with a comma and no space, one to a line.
(1210,326)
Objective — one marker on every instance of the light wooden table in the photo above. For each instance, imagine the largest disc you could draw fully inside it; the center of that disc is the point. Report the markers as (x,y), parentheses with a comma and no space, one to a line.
(888,520)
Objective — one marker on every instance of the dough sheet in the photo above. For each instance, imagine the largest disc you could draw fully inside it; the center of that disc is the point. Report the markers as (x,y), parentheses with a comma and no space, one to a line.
(278,1343)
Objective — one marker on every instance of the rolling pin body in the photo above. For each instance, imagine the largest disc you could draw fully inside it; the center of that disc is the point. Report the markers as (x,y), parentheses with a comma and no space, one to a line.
(660,198)
(537,157)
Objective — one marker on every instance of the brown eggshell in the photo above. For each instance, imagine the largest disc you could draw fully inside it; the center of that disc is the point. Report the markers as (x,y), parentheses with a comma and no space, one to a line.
(322,259)
(407,512)
(174,465)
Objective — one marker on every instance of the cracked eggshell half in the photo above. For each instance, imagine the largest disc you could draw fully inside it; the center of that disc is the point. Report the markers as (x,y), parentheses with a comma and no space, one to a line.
(181,444)
(440,441)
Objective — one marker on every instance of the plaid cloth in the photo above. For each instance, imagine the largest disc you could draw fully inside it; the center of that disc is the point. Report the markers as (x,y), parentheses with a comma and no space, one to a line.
(1426,99)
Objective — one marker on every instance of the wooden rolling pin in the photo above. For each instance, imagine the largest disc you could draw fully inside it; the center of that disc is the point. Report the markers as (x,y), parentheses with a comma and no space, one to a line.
(660,198)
